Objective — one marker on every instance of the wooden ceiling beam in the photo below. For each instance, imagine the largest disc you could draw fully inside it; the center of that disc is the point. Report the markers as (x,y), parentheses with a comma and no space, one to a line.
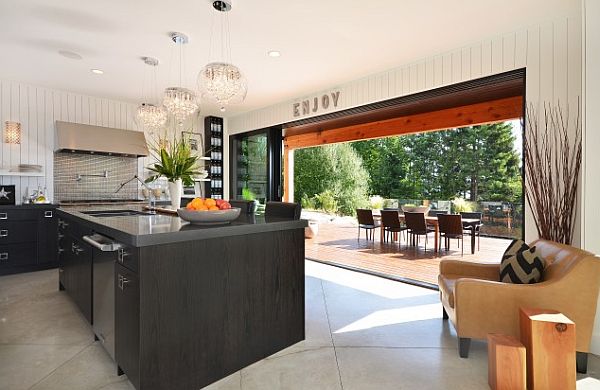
(468,115)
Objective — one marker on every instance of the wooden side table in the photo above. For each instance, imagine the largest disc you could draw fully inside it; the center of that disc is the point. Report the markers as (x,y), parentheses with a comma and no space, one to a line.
(549,338)
(506,363)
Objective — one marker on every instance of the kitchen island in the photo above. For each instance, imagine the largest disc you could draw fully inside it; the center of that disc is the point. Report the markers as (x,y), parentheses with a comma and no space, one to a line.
(192,304)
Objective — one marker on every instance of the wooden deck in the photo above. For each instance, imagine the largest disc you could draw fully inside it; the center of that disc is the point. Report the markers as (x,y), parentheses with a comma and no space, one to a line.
(337,244)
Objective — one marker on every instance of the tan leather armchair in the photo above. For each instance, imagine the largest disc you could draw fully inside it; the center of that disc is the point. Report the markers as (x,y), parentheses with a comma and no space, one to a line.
(478,304)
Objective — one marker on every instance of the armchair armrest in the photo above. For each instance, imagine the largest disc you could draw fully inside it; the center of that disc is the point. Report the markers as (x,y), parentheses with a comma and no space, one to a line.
(470,270)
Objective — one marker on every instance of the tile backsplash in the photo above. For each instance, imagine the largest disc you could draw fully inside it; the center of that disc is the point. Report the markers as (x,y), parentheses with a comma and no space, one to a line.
(67,167)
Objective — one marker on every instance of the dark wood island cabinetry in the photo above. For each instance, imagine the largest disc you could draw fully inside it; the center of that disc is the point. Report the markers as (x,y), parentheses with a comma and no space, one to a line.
(195,304)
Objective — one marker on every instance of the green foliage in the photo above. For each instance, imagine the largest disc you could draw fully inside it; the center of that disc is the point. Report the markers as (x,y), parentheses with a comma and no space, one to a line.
(174,160)
(337,168)
(478,163)
(326,201)
(460,205)
(308,202)
(376,202)
(247,194)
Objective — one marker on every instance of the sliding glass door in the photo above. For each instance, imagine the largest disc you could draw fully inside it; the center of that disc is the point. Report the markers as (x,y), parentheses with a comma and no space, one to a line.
(256,165)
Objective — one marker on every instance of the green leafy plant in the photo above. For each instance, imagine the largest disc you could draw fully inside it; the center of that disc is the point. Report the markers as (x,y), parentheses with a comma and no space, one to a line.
(460,205)
(326,201)
(376,202)
(174,161)
(308,203)
(247,194)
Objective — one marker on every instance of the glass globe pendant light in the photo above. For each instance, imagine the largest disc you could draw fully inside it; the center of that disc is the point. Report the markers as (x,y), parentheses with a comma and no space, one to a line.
(151,117)
(221,81)
(180,102)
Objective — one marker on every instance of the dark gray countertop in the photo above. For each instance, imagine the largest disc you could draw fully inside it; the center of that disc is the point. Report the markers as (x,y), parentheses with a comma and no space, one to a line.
(145,230)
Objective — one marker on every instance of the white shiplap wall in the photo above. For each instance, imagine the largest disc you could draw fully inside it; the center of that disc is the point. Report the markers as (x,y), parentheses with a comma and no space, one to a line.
(591,123)
(37,109)
(550,51)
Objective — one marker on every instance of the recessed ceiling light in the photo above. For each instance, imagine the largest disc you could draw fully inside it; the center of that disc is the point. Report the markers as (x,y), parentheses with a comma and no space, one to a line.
(97,71)
(274,53)
(69,54)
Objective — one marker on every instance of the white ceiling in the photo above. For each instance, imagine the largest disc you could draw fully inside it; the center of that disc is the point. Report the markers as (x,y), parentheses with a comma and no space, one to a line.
(323,42)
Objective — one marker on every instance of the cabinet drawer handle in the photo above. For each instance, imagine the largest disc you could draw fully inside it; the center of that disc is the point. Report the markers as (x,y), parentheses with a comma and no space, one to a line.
(122,282)
(48,214)
(76,249)
(4,233)
(3,216)
(4,256)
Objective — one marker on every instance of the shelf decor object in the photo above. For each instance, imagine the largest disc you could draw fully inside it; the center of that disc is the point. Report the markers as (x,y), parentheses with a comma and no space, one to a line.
(180,102)
(149,115)
(213,134)
(221,81)
(7,195)
(552,165)
(12,132)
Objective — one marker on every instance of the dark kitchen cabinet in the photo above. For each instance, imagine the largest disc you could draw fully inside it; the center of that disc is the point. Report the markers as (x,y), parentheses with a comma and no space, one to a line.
(81,264)
(27,238)
(127,323)
(47,243)
(75,266)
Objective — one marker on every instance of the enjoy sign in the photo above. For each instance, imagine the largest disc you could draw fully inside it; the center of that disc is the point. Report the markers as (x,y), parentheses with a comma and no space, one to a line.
(313,105)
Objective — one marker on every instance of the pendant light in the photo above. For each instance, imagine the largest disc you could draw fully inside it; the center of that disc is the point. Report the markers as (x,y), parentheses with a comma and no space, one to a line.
(221,81)
(151,117)
(180,102)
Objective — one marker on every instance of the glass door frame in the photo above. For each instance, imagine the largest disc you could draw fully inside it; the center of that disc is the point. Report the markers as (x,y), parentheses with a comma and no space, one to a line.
(274,157)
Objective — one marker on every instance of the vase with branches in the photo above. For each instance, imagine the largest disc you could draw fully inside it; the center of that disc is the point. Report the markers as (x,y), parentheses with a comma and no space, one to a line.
(176,163)
(553,161)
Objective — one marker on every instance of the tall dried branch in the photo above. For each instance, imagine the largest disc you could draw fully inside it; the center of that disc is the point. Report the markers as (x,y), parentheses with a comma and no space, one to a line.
(552,165)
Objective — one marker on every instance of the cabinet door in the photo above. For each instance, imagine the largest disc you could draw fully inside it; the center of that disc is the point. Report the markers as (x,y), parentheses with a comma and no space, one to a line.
(127,323)
(81,282)
(47,237)
(65,261)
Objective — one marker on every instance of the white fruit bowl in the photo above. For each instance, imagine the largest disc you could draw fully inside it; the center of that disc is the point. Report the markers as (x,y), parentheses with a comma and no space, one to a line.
(211,217)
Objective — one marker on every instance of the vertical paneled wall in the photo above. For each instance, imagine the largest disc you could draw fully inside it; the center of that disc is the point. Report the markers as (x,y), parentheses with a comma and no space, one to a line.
(591,123)
(37,109)
(550,52)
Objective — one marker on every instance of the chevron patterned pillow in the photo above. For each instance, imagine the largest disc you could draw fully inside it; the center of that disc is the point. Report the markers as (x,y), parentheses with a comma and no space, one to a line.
(521,264)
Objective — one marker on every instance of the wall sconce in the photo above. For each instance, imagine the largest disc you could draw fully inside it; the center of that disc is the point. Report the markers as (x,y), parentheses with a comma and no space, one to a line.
(12,132)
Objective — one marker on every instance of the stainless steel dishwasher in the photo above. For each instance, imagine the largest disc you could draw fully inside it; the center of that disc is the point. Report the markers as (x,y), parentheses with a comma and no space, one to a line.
(106,253)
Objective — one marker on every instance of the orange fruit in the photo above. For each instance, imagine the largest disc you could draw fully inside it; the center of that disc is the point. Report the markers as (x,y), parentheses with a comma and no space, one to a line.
(202,208)
(190,206)
(210,202)
(197,202)
(212,208)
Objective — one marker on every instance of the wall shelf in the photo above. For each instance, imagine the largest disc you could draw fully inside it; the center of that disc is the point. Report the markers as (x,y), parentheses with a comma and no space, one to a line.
(28,174)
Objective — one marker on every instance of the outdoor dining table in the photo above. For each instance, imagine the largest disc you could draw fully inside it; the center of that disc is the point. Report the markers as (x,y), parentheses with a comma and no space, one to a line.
(468,223)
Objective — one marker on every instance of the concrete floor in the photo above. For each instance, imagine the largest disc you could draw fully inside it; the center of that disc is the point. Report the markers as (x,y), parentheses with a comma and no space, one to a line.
(363,332)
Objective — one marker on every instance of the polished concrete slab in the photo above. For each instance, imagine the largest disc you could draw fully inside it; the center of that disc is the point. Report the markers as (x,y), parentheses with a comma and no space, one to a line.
(363,332)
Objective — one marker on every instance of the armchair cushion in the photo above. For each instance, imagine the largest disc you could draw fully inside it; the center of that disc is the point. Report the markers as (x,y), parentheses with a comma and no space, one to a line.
(521,264)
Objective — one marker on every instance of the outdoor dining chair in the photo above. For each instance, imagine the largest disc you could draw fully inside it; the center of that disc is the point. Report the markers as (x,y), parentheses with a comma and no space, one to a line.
(283,210)
(367,222)
(451,227)
(475,229)
(417,226)
(390,223)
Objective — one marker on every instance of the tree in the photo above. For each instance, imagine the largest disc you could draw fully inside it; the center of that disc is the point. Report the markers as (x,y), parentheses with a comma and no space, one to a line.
(336,168)
(478,163)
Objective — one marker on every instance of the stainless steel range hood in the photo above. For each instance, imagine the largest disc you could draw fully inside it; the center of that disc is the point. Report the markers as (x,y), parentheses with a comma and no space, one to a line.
(75,137)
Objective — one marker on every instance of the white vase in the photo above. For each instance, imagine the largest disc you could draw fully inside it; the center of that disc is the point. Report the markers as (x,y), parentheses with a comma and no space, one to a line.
(175,191)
